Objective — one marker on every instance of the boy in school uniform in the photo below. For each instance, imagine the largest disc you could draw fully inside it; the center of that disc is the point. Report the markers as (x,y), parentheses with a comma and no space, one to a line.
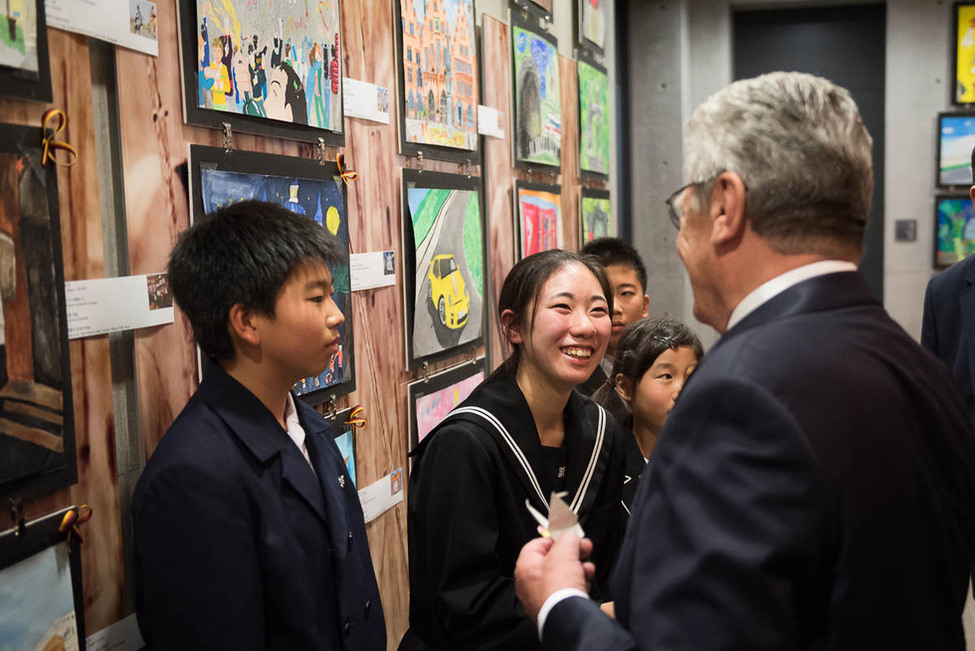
(248,531)
(628,276)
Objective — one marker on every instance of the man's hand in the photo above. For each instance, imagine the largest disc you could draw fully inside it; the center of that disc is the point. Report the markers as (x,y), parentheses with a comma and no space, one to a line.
(545,566)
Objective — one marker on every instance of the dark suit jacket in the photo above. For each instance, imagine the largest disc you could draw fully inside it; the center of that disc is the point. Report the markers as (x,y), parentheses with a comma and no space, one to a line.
(238,545)
(948,325)
(813,488)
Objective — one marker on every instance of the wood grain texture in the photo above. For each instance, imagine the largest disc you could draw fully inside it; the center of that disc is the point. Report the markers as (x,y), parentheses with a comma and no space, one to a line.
(91,379)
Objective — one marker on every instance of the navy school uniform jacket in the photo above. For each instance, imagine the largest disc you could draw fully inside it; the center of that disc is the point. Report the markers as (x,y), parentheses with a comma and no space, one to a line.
(468,520)
(239,545)
(813,488)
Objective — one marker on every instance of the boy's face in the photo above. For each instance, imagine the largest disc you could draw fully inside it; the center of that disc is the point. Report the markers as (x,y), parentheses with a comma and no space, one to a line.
(301,338)
(630,303)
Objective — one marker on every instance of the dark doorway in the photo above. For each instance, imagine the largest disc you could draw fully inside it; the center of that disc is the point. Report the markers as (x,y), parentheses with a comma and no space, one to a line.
(844,44)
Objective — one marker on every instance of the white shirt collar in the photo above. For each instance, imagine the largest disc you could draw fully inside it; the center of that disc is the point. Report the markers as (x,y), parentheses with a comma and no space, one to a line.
(293,426)
(767,290)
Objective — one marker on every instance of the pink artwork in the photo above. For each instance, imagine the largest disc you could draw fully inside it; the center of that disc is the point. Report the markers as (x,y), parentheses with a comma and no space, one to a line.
(432,408)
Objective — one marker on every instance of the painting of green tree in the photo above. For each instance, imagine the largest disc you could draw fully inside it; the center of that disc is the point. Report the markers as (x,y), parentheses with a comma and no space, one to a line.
(593,118)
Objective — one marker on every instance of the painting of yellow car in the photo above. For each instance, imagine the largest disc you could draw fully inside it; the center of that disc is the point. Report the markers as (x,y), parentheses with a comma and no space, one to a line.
(448,292)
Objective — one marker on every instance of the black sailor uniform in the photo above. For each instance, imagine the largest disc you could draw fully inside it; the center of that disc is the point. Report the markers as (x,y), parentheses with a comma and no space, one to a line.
(468,520)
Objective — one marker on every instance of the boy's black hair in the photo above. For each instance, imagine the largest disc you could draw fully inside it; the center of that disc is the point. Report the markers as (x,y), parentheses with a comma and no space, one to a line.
(612,250)
(242,253)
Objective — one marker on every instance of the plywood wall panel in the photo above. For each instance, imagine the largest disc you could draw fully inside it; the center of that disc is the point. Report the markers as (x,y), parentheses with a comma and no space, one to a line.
(569,82)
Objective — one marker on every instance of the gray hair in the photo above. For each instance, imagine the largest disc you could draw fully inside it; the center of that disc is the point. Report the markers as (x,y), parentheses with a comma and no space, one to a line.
(802,151)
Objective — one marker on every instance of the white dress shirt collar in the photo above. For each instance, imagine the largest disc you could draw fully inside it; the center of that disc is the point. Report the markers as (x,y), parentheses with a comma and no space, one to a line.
(293,426)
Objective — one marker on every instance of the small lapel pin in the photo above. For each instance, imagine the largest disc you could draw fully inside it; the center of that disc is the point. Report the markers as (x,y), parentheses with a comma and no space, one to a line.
(342,481)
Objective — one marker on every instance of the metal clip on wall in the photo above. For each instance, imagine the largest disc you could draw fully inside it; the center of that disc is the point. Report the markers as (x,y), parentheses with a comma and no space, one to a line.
(228,138)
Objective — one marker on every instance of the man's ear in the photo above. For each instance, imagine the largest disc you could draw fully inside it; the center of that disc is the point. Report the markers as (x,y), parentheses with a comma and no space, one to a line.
(624,388)
(242,324)
(510,327)
(727,209)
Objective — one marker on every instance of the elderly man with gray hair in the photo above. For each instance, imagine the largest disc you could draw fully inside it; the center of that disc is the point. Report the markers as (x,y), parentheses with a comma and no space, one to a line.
(814,486)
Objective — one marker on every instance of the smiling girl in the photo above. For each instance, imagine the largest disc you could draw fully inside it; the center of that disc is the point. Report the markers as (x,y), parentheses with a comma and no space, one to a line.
(653,361)
(521,435)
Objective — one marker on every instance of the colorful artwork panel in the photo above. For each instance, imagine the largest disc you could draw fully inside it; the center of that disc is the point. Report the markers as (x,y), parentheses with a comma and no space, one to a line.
(594,118)
(538,100)
(964,53)
(37,608)
(344,436)
(37,451)
(955,230)
(25,67)
(431,399)
(438,74)
(955,144)
(596,219)
(539,211)
(445,249)
(592,22)
(303,187)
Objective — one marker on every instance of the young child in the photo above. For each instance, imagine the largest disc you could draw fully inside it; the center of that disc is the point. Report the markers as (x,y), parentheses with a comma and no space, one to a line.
(628,278)
(248,533)
(522,434)
(653,361)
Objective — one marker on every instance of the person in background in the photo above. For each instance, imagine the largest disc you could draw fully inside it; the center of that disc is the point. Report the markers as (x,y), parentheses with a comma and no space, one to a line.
(521,435)
(654,358)
(628,278)
(248,533)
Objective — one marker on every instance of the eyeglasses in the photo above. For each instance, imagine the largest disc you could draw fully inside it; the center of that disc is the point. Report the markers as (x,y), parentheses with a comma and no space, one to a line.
(674,208)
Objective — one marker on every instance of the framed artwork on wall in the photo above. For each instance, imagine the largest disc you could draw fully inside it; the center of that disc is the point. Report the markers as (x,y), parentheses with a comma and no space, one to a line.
(591,24)
(40,588)
(537,97)
(596,217)
(25,66)
(538,211)
(270,68)
(964,47)
(954,234)
(594,118)
(303,186)
(37,436)
(539,8)
(444,264)
(432,398)
(956,139)
(344,435)
(438,82)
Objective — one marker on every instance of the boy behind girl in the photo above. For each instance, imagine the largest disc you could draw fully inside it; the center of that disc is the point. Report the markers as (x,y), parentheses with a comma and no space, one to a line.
(628,276)
(248,531)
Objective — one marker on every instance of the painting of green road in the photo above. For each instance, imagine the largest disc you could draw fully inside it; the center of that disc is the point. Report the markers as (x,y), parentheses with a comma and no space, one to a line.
(538,98)
(593,118)
(445,306)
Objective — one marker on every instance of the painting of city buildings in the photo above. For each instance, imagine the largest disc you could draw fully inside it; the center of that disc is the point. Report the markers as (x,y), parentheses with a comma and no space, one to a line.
(538,99)
(271,59)
(439,73)
(593,118)
(539,211)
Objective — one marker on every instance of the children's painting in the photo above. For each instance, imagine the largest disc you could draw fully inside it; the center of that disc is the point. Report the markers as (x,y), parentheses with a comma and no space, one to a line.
(37,608)
(593,118)
(301,186)
(37,452)
(539,211)
(964,53)
(592,20)
(270,59)
(18,35)
(955,234)
(538,100)
(431,399)
(445,287)
(344,435)
(142,18)
(596,216)
(439,72)
(955,148)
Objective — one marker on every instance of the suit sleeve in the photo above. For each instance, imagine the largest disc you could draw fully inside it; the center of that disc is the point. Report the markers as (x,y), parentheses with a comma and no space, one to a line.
(198,571)
(458,523)
(929,332)
(721,549)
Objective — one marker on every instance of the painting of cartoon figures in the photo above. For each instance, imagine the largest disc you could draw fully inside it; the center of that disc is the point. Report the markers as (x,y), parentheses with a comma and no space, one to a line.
(304,187)
(539,216)
(432,398)
(538,99)
(444,231)
(593,118)
(36,414)
(596,216)
(439,70)
(271,59)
